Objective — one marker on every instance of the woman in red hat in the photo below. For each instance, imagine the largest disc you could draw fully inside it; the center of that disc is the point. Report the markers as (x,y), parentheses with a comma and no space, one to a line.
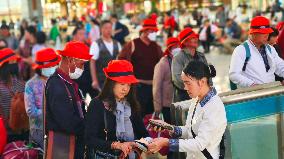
(113,118)
(10,83)
(46,61)
(189,43)
(162,80)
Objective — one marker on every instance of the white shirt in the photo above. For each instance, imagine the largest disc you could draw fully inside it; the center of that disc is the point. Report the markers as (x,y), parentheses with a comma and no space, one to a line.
(95,51)
(255,72)
(36,48)
(94,33)
(209,124)
(203,36)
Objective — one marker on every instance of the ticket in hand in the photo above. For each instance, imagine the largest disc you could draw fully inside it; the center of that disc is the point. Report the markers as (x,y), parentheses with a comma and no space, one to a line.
(158,124)
(142,144)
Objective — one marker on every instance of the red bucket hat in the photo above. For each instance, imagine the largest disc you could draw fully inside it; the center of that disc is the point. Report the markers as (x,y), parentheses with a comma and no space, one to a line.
(185,34)
(279,26)
(260,24)
(46,58)
(120,71)
(77,50)
(149,24)
(172,42)
(6,55)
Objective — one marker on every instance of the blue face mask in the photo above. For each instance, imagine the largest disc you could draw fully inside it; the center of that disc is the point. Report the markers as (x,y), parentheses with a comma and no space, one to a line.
(47,72)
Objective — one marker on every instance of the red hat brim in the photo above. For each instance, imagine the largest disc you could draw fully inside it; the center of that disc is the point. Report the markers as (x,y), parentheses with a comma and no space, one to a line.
(194,35)
(51,64)
(149,28)
(171,45)
(261,31)
(63,53)
(130,79)
(15,57)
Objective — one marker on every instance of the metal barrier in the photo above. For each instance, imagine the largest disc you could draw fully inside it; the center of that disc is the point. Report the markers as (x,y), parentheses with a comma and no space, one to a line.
(255,121)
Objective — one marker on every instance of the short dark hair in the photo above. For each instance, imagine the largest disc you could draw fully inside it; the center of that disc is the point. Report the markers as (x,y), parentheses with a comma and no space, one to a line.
(107,95)
(199,70)
(273,34)
(32,30)
(75,31)
(53,21)
(105,22)
(40,37)
(114,16)
(4,26)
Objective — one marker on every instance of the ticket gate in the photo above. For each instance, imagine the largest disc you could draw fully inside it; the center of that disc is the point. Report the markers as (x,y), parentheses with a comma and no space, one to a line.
(255,121)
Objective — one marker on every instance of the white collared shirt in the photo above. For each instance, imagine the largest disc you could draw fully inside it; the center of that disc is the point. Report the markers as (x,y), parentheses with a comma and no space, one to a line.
(255,72)
(209,124)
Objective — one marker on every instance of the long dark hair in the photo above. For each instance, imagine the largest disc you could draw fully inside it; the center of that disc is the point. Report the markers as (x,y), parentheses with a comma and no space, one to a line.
(107,95)
(5,74)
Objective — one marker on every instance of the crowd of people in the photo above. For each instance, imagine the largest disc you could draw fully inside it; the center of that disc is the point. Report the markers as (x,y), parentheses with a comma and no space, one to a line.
(127,80)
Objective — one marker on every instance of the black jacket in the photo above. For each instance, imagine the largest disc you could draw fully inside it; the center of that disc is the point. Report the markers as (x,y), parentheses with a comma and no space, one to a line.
(62,114)
(94,132)
(121,35)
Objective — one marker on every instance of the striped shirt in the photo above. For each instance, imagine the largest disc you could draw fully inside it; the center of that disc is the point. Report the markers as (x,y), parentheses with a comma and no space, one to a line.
(6,96)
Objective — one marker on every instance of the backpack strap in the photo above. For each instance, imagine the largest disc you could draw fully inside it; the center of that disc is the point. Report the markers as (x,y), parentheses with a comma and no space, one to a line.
(247,55)
(269,48)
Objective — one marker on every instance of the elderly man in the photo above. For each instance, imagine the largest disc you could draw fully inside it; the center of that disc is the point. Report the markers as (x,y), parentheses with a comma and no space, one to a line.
(64,117)
(144,53)
(255,62)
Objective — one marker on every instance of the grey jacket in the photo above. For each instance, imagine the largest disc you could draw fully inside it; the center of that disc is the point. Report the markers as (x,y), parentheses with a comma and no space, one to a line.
(179,63)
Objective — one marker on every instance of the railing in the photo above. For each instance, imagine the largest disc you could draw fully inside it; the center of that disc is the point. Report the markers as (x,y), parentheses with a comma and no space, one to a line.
(255,121)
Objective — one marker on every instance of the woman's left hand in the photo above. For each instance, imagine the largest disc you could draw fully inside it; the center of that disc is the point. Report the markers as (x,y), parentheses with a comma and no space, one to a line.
(157,144)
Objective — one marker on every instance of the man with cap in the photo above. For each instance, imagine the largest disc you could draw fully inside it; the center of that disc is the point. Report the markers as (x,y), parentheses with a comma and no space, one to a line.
(64,114)
(255,62)
(189,43)
(144,53)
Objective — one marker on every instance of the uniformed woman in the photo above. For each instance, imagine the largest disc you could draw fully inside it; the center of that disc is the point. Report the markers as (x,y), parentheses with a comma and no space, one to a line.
(206,121)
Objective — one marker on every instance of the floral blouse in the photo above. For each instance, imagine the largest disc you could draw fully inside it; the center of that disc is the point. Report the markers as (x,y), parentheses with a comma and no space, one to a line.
(34,90)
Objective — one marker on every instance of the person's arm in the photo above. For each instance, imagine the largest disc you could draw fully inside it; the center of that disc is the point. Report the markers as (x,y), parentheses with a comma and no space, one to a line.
(177,67)
(61,108)
(126,52)
(213,125)
(94,127)
(236,66)
(30,102)
(158,86)
(139,127)
(94,50)
(279,63)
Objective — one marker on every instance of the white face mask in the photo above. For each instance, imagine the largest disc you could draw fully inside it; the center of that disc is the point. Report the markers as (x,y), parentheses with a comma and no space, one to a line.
(175,51)
(152,36)
(47,72)
(77,73)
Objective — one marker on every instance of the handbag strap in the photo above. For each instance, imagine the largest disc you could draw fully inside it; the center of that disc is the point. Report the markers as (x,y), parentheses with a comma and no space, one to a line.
(205,151)
(105,123)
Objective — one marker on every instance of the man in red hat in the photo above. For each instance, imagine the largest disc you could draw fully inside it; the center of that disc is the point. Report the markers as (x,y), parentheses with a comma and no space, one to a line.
(144,53)
(189,43)
(255,62)
(63,110)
